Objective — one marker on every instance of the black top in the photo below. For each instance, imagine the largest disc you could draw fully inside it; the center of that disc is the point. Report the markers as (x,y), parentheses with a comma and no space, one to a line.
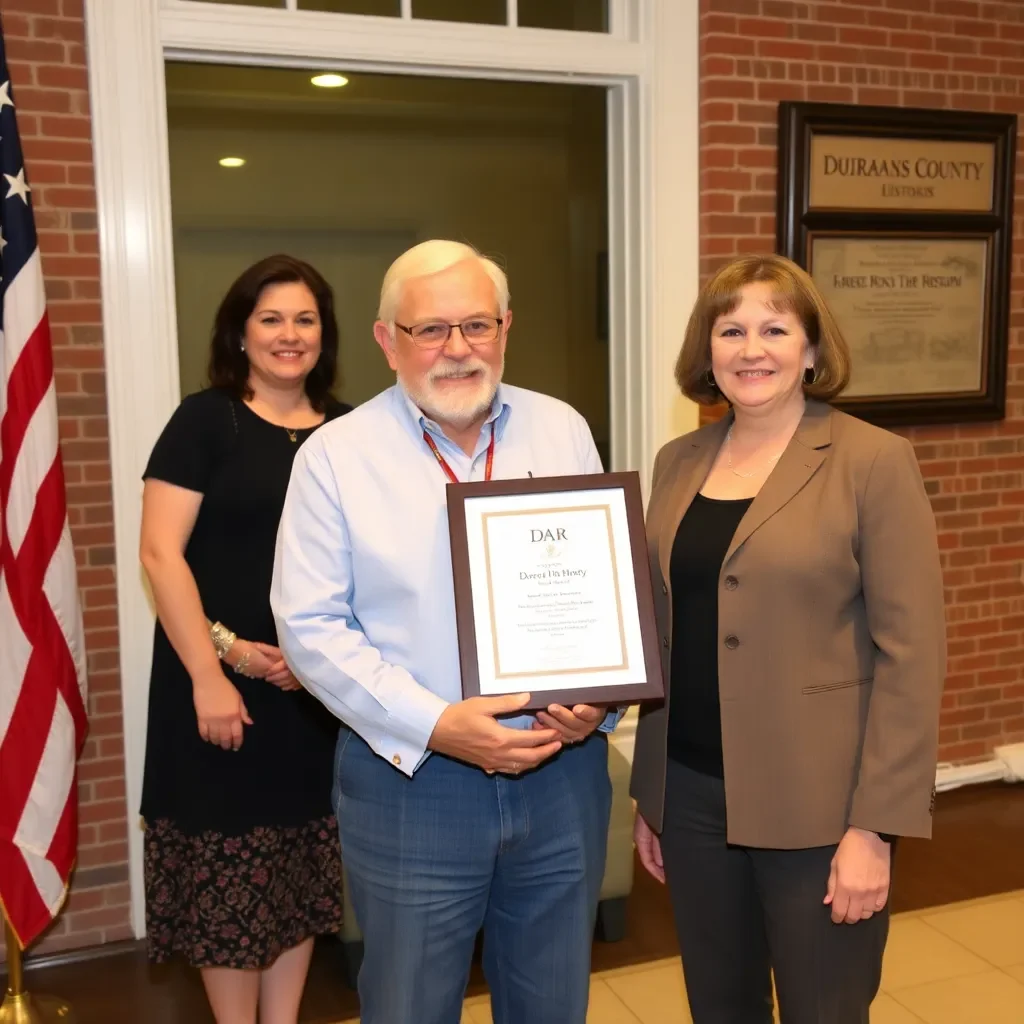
(695,720)
(281,775)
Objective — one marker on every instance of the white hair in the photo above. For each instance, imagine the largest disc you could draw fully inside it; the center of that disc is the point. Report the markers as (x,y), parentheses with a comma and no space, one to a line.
(432,257)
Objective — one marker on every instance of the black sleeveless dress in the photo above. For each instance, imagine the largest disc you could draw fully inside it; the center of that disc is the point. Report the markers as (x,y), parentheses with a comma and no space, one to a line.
(242,859)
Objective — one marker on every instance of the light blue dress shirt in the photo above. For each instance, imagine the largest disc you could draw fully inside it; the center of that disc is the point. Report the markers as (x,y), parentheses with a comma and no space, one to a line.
(362,592)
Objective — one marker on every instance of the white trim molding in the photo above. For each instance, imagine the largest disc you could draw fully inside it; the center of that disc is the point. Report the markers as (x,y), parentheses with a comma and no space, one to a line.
(126,86)
(648,63)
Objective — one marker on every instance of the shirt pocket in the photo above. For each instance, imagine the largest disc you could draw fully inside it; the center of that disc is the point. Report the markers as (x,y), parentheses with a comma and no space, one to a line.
(843,684)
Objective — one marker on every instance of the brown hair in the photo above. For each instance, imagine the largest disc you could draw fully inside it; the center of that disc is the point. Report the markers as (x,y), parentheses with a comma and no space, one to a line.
(795,292)
(229,365)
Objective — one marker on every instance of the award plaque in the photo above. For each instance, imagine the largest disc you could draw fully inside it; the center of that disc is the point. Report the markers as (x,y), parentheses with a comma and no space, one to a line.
(553,590)
(904,220)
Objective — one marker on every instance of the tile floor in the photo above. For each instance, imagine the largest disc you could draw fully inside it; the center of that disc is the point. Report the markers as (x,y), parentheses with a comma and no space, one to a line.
(959,964)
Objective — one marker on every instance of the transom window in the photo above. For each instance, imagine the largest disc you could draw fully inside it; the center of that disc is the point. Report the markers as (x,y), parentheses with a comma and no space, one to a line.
(566,15)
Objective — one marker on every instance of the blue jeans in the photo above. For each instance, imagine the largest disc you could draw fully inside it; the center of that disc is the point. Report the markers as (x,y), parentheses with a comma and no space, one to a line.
(432,860)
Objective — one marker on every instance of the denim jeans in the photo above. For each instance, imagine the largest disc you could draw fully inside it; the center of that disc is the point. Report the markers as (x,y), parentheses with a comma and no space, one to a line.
(432,860)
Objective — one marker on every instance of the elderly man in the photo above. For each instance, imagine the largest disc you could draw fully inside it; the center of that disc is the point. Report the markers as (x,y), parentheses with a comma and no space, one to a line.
(450,821)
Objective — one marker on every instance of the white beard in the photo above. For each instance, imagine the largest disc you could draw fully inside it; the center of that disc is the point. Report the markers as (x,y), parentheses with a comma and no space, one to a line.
(457,410)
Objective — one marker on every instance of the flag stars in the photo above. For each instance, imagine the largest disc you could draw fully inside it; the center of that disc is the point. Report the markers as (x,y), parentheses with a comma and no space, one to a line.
(5,95)
(18,186)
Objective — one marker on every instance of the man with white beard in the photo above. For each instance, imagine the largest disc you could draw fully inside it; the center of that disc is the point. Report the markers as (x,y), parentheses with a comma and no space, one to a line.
(450,822)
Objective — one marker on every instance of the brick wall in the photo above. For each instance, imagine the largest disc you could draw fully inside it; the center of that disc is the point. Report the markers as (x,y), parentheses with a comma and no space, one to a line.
(45,42)
(952,54)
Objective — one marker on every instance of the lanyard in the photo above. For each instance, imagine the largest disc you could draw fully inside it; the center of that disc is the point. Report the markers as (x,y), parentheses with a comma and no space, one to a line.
(443,462)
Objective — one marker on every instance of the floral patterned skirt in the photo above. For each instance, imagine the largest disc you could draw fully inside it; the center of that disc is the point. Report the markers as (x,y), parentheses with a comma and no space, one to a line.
(240,901)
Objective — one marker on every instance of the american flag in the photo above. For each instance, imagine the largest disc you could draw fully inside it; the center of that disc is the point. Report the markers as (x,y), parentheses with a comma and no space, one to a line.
(42,655)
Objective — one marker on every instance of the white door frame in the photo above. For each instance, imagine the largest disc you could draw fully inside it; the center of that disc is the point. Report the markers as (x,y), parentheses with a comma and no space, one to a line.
(649,62)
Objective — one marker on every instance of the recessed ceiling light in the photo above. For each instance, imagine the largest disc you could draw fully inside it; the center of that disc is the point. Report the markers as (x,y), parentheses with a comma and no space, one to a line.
(329,81)
(231,161)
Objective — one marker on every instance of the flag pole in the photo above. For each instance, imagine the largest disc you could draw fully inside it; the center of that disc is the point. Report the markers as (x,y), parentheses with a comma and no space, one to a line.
(19,1005)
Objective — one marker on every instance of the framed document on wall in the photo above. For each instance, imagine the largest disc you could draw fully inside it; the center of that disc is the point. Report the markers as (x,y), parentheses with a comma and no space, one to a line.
(553,590)
(904,220)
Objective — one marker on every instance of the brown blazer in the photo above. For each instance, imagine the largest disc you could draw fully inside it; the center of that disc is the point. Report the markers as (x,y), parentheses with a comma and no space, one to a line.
(832,637)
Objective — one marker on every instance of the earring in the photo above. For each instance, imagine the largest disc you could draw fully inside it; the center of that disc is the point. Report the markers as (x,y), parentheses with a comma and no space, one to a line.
(241,346)
(709,379)
(813,371)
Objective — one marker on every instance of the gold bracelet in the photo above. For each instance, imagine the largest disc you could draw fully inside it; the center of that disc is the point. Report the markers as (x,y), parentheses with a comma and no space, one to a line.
(222,638)
(243,664)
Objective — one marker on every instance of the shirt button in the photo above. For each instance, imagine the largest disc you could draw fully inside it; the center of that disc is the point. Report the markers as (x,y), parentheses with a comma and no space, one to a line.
(732,642)
(731,583)
(396,760)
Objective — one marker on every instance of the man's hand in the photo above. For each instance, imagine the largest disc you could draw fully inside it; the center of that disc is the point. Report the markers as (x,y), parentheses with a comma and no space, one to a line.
(467,731)
(648,846)
(573,726)
(858,885)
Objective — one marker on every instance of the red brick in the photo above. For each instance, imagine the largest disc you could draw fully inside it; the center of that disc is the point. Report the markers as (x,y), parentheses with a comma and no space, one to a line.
(786,49)
(842,13)
(857,36)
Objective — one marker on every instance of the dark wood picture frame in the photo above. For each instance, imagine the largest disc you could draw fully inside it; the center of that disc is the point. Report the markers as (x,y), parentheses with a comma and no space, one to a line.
(797,224)
(653,686)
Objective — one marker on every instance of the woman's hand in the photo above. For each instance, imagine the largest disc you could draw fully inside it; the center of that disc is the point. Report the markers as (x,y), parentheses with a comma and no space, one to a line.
(220,710)
(261,661)
(858,884)
(648,845)
(277,671)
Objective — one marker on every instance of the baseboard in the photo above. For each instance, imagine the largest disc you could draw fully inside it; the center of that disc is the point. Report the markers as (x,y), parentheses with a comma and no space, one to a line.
(1006,765)
(38,961)
(1012,756)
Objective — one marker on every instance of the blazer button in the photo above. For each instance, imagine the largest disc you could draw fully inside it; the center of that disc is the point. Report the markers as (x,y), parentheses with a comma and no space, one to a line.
(731,583)
(732,642)
(664,641)
(664,588)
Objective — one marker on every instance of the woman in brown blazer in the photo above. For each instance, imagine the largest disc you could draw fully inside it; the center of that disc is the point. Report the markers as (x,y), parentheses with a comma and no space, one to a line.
(800,598)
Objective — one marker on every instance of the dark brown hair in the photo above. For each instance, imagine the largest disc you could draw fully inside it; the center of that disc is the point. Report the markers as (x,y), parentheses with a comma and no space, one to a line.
(794,292)
(229,366)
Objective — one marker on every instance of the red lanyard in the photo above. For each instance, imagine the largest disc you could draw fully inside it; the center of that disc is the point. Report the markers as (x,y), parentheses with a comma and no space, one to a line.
(443,463)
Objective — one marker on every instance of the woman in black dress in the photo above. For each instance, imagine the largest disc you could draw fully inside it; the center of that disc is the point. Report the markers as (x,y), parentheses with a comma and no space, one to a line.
(242,863)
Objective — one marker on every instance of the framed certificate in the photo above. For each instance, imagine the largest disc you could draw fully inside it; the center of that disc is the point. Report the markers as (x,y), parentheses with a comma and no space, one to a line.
(553,590)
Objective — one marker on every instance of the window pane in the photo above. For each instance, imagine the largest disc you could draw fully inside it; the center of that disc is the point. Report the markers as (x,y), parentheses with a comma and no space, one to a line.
(349,178)
(581,15)
(250,3)
(384,8)
(482,12)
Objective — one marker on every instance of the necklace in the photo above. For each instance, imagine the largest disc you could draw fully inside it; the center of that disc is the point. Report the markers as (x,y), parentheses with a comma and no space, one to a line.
(292,435)
(736,472)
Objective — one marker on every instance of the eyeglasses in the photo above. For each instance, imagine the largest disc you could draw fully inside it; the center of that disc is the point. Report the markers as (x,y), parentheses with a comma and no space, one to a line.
(478,330)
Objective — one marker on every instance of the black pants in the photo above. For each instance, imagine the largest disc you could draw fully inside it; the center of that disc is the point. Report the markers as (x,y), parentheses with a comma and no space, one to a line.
(743,913)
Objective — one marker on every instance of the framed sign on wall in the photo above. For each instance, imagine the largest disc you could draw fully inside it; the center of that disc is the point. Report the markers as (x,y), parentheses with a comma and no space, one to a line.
(903,218)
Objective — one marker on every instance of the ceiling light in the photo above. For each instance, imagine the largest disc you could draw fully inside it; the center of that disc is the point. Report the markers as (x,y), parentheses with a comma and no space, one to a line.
(231,161)
(329,81)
